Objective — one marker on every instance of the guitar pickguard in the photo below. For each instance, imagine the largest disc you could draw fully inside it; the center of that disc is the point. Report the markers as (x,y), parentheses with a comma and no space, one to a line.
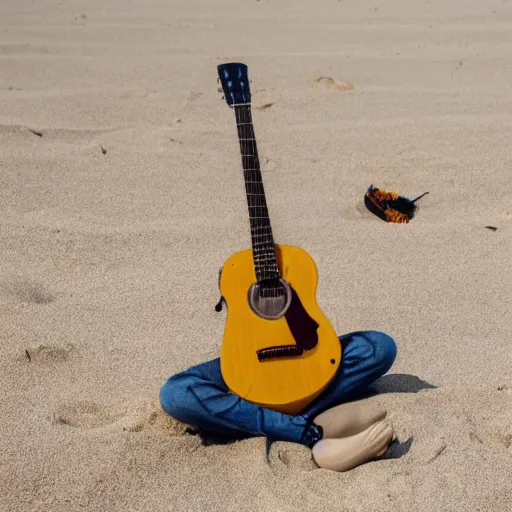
(301,325)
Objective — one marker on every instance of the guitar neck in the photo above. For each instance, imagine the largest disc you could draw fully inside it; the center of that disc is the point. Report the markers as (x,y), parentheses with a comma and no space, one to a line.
(265,261)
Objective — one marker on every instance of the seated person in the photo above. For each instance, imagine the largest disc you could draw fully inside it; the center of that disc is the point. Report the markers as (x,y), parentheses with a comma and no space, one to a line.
(341,431)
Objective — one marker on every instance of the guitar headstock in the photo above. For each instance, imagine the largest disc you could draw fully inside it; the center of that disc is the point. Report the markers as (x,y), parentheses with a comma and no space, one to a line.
(235,83)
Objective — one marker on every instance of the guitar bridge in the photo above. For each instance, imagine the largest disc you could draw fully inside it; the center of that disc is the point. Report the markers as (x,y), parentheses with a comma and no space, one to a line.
(280,351)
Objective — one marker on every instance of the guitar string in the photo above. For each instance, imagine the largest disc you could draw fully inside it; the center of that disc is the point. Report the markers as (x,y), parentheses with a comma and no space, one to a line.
(266,268)
(244,139)
(261,202)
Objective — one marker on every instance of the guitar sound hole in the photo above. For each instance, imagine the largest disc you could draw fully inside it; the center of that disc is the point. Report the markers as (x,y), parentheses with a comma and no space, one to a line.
(270,299)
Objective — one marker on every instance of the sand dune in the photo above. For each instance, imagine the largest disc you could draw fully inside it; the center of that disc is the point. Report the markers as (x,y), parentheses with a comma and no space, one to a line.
(121,196)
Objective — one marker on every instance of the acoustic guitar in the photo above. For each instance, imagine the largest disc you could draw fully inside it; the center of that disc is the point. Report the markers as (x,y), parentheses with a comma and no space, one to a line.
(278,350)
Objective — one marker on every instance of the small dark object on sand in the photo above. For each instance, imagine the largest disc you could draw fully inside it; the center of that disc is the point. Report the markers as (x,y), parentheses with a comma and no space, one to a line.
(493,228)
(389,206)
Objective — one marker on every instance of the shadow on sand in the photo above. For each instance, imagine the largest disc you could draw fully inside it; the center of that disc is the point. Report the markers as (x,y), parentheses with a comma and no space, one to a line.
(400,383)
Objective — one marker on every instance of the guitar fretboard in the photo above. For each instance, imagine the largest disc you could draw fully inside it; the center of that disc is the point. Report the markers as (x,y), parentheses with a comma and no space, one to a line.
(265,262)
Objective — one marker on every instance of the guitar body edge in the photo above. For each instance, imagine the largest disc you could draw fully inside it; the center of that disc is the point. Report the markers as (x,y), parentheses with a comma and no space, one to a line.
(287,384)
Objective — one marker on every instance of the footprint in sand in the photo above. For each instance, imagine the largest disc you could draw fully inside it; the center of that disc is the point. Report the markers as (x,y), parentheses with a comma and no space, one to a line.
(48,353)
(151,416)
(266,106)
(332,84)
(134,417)
(356,211)
(286,457)
(25,291)
(502,437)
(87,414)
(265,99)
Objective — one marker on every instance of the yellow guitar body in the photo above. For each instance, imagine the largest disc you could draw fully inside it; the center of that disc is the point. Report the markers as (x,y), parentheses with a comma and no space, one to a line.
(285,384)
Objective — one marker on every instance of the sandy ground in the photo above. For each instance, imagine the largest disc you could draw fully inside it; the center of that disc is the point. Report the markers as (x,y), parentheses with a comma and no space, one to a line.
(121,195)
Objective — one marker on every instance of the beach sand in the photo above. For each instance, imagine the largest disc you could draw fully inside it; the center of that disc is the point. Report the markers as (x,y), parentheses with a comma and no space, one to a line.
(121,196)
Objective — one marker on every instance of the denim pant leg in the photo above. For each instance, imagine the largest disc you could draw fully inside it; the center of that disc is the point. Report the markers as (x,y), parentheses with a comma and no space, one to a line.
(367,355)
(199,396)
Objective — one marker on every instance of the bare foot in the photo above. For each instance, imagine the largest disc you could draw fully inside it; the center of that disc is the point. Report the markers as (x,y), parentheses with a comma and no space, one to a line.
(349,419)
(347,453)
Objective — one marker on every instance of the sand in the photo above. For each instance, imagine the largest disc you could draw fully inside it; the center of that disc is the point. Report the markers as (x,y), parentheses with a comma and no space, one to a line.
(121,195)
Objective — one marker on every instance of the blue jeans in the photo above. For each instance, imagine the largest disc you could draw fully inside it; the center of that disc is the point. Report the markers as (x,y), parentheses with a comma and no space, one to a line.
(200,398)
